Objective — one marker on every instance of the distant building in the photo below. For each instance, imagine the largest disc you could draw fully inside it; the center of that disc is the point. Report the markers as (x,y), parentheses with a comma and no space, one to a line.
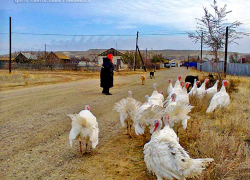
(25,57)
(6,59)
(4,62)
(85,63)
(21,58)
(209,57)
(57,58)
(116,59)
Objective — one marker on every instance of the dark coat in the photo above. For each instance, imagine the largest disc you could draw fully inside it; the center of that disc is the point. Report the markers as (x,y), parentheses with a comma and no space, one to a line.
(107,73)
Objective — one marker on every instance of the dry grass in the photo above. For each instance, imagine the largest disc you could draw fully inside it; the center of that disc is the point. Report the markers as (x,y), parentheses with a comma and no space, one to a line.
(225,137)
(19,79)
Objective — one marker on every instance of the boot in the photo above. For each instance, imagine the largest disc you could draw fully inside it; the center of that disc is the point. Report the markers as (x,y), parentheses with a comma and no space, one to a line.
(107,92)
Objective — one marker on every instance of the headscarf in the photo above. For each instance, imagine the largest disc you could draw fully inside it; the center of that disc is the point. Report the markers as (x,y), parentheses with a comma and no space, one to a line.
(110,57)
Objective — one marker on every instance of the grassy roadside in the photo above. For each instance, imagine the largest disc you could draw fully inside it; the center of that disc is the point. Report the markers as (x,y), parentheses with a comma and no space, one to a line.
(225,136)
(21,78)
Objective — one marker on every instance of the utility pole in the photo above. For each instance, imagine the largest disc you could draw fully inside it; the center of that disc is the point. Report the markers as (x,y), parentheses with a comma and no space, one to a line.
(10,49)
(136,48)
(134,62)
(45,52)
(225,62)
(141,59)
(201,51)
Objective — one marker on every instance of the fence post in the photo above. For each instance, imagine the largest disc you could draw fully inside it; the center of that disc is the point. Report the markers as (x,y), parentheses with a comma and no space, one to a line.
(201,51)
(10,49)
(225,62)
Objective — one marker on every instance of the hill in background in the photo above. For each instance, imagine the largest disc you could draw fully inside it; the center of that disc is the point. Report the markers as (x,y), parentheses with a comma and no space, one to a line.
(167,54)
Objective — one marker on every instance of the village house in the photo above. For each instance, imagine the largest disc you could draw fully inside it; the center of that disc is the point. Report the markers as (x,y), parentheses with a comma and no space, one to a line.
(21,58)
(26,57)
(6,59)
(57,58)
(4,62)
(116,59)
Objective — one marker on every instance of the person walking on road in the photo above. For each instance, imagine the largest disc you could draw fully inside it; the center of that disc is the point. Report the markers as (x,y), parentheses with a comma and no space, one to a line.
(107,74)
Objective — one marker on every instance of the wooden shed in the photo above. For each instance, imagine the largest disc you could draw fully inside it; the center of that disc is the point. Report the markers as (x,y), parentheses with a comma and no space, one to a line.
(57,58)
(21,58)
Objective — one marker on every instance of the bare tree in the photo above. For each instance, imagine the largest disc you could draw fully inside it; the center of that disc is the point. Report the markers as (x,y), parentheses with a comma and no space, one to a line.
(74,61)
(128,58)
(156,59)
(247,58)
(213,26)
(235,58)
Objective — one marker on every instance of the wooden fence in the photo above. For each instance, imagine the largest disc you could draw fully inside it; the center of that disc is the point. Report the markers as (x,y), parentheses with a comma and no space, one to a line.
(232,68)
(29,66)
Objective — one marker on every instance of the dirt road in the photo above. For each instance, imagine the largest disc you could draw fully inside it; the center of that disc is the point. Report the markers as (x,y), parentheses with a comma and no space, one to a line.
(34,130)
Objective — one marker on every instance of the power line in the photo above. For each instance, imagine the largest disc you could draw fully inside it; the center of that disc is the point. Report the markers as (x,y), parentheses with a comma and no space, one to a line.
(162,34)
(47,34)
(101,35)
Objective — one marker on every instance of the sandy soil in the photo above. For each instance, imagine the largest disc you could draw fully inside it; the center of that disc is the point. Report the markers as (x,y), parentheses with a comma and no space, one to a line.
(34,130)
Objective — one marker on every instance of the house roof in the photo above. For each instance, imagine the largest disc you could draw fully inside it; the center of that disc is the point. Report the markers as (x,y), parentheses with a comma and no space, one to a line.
(30,56)
(111,51)
(6,59)
(61,56)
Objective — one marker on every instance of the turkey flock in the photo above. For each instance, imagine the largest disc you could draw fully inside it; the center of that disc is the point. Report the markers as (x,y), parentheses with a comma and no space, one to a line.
(163,154)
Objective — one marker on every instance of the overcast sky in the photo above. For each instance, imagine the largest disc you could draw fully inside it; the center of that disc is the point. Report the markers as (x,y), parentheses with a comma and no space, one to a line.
(111,17)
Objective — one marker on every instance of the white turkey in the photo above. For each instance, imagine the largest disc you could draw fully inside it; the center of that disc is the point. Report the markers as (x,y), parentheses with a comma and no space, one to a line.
(220,99)
(170,87)
(166,158)
(167,130)
(84,127)
(170,101)
(146,115)
(183,97)
(193,91)
(178,113)
(156,98)
(211,91)
(177,89)
(177,86)
(127,109)
(201,91)
(177,82)
(182,84)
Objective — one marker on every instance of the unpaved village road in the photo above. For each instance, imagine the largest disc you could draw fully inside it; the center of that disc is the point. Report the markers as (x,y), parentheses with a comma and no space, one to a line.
(34,130)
